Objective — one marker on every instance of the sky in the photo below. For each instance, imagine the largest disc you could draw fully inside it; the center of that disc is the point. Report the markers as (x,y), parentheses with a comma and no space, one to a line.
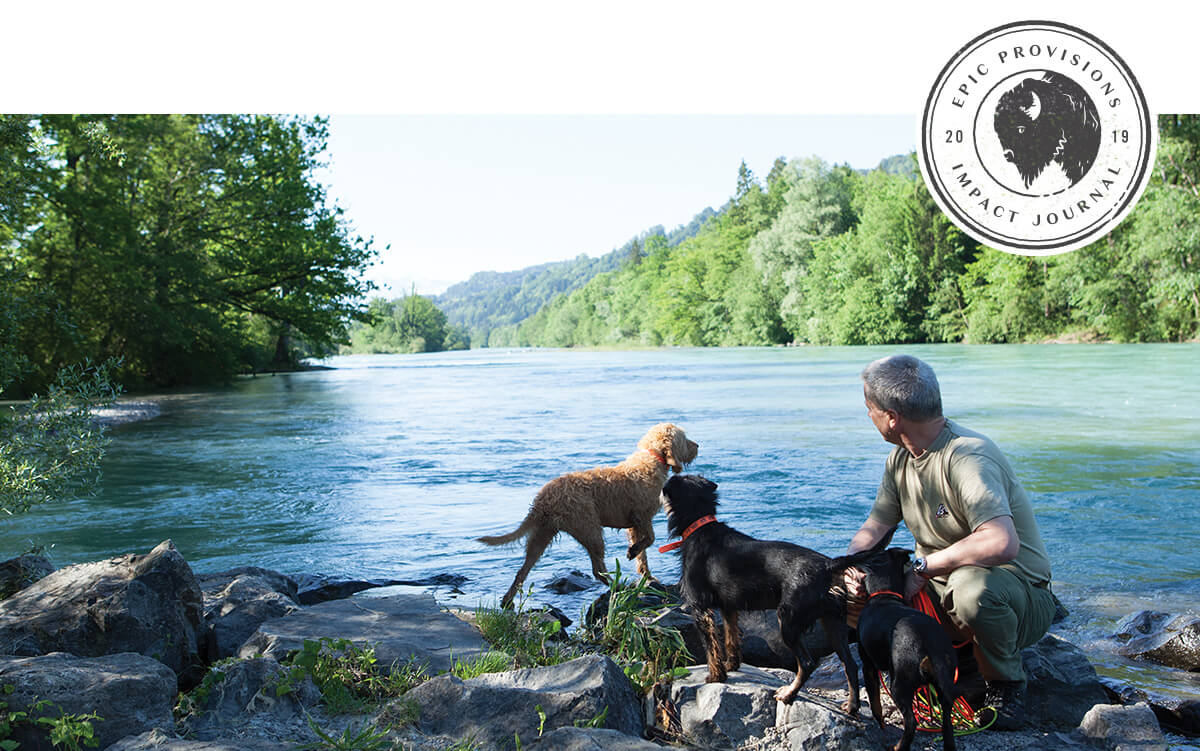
(447,196)
(472,135)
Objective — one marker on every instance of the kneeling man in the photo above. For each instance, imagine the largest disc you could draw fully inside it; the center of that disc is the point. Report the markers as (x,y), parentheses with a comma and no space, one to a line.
(978,546)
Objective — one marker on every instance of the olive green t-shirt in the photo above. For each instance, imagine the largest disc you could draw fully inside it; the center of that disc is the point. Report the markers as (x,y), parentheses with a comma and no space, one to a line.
(960,482)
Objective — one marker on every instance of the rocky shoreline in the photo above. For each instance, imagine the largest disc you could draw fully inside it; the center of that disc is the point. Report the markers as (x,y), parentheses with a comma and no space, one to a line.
(161,658)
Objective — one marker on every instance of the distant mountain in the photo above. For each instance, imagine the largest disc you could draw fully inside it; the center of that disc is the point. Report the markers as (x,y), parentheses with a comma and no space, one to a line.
(901,164)
(493,299)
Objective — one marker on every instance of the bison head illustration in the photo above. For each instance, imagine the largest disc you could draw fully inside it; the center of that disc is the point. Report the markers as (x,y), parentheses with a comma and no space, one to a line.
(1048,119)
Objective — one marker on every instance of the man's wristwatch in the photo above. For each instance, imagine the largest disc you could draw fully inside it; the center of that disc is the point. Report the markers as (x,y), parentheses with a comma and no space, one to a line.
(919,566)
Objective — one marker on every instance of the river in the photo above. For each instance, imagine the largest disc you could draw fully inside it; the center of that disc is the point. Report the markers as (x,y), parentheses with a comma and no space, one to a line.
(390,466)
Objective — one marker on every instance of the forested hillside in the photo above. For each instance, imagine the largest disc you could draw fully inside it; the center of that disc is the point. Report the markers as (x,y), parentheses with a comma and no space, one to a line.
(491,303)
(823,254)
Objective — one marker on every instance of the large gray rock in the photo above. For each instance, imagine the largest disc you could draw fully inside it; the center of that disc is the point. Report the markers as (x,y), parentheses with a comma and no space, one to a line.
(814,724)
(762,645)
(572,581)
(743,713)
(149,604)
(243,693)
(238,601)
(1158,637)
(720,715)
(1174,696)
(131,692)
(18,573)
(1123,728)
(1062,684)
(401,628)
(591,739)
(495,708)
(317,588)
(157,740)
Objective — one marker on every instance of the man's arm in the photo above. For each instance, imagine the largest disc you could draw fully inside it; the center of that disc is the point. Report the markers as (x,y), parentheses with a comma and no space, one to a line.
(869,535)
(992,543)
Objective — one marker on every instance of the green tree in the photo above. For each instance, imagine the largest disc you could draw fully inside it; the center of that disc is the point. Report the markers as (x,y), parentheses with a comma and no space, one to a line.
(412,323)
(817,205)
(191,247)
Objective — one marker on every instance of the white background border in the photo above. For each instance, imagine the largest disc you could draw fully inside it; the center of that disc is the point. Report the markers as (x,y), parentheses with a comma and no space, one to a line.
(536,57)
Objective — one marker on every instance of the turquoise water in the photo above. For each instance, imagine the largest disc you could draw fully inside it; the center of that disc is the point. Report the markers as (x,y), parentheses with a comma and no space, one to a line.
(389,466)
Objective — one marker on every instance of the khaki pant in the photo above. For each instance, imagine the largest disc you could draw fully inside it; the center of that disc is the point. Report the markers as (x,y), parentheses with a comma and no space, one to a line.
(1000,610)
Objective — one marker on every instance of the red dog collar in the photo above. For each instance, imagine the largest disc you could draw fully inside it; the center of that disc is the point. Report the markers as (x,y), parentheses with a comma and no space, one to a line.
(886,592)
(691,528)
(657,456)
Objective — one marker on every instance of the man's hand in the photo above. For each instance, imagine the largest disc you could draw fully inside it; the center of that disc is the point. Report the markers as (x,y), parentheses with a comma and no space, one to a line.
(855,579)
(856,594)
(913,583)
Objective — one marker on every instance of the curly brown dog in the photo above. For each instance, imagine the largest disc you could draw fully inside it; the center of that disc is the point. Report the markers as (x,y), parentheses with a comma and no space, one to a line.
(582,503)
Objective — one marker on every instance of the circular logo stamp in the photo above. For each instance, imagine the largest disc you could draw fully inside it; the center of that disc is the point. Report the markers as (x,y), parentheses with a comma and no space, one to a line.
(1036,138)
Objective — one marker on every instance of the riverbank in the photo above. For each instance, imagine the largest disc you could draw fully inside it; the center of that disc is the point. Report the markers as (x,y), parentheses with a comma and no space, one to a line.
(234,645)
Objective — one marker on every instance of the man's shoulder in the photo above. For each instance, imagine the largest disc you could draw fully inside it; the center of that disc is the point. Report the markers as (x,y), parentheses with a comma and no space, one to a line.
(964,440)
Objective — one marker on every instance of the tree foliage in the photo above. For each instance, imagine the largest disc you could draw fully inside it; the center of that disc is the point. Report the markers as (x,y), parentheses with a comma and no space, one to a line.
(412,323)
(829,255)
(191,247)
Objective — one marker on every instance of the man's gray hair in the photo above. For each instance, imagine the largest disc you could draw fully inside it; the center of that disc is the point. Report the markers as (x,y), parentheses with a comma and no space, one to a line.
(904,384)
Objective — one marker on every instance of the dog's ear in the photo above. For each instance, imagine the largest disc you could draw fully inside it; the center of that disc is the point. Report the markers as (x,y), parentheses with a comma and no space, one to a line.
(670,446)
(843,562)
(900,556)
(682,449)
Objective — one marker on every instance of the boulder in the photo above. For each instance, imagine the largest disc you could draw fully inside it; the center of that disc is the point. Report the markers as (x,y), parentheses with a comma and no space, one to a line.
(574,581)
(149,604)
(762,646)
(238,601)
(1139,624)
(401,629)
(597,612)
(591,739)
(157,740)
(1175,699)
(316,588)
(18,573)
(242,693)
(496,708)
(132,693)
(811,723)
(1158,637)
(719,715)
(1123,728)
(1062,684)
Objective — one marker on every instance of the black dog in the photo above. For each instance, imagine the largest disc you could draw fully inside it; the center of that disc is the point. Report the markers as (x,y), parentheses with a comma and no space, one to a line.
(909,645)
(726,570)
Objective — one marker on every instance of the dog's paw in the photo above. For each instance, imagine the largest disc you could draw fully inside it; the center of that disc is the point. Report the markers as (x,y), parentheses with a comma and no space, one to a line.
(850,707)
(785,694)
(715,678)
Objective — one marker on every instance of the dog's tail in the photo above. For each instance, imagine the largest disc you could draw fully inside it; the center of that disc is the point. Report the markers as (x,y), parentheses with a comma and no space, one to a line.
(521,531)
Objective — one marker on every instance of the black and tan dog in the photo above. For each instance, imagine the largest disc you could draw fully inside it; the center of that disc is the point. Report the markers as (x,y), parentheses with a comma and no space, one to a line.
(723,569)
(908,645)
